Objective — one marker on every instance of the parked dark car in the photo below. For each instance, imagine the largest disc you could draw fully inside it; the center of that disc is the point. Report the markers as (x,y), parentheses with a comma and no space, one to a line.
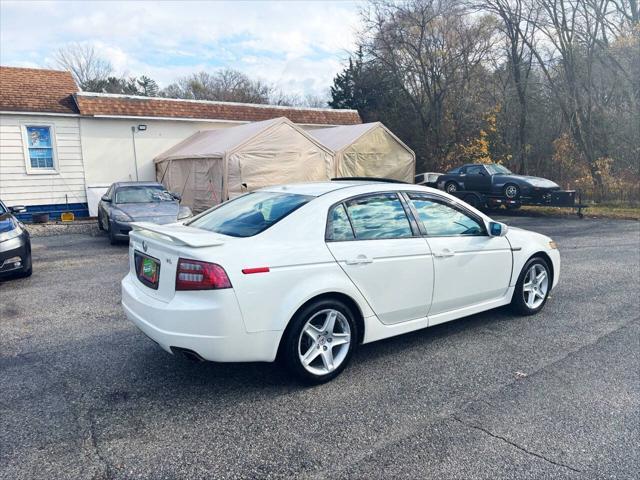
(15,244)
(494,179)
(127,202)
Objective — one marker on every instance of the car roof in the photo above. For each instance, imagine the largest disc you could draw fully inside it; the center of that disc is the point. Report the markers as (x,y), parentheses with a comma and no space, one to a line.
(315,189)
(137,184)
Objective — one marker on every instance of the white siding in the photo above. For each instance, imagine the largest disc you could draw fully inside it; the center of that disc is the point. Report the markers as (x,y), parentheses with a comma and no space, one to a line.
(107,145)
(19,187)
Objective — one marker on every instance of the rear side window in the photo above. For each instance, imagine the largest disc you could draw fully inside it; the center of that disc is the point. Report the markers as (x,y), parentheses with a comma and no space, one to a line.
(378,216)
(338,225)
(250,214)
(442,220)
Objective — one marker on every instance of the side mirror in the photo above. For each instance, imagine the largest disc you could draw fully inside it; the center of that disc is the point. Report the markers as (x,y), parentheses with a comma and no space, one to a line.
(105,199)
(17,209)
(175,195)
(497,229)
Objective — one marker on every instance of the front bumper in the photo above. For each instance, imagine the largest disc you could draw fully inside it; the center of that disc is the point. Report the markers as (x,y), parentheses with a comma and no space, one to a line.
(554,255)
(120,229)
(207,322)
(538,195)
(10,249)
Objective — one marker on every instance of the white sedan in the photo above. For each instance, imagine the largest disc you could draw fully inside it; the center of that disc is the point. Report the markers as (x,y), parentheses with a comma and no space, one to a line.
(307,272)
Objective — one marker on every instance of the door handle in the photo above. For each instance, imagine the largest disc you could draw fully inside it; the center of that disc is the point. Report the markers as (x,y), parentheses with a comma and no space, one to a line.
(359,260)
(444,253)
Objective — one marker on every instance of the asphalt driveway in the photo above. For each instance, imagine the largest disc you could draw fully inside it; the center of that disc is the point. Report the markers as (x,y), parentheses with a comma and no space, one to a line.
(86,395)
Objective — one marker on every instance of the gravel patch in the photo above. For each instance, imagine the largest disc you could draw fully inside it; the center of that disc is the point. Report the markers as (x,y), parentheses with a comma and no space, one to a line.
(86,227)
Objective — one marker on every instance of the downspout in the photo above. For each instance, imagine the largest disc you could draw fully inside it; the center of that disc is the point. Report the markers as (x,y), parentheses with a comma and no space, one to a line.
(135,156)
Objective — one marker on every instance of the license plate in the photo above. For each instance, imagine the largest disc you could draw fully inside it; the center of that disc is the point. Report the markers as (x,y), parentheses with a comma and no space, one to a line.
(147,270)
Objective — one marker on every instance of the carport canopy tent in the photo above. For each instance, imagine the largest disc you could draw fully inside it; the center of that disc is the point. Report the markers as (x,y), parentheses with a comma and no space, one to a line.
(214,165)
(368,150)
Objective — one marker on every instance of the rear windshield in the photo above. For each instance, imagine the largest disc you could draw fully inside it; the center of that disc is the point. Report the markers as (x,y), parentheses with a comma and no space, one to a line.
(250,214)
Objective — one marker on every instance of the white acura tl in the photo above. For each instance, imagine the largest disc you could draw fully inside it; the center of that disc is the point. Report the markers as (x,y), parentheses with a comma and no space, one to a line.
(307,272)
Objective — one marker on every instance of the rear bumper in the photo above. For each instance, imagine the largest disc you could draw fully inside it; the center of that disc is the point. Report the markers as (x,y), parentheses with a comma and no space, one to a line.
(207,322)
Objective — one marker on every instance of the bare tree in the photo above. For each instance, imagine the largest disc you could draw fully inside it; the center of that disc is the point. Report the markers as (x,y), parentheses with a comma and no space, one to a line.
(225,85)
(517,22)
(84,63)
(430,49)
(572,48)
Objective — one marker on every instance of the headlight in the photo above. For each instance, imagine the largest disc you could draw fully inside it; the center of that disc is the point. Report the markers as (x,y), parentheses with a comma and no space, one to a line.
(540,183)
(553,245)
(121,217)
(16,232)
(184,212)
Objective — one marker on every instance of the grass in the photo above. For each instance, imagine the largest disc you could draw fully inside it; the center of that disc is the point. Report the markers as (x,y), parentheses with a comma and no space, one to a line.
(603,210)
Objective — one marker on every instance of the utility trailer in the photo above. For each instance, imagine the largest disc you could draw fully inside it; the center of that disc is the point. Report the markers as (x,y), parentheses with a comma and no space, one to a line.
(558,198)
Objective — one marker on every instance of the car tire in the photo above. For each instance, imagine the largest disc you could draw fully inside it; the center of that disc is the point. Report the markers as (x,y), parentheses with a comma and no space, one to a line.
(530,296)
(451,187)
(473,200)
(511,191)
(112,237)
(28,268)
(310,335)
(100,226)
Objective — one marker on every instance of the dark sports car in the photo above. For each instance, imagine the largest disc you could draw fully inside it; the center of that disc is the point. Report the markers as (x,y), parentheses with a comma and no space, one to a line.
(494,179)
(127,202)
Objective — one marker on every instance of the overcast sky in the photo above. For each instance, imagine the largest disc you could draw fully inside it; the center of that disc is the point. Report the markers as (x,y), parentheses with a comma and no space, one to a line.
(299,46)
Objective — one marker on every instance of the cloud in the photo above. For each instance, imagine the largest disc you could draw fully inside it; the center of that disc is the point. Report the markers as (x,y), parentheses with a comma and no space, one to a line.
(298,45)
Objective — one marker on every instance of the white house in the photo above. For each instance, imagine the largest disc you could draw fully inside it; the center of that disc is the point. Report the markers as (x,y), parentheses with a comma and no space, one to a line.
(56,141)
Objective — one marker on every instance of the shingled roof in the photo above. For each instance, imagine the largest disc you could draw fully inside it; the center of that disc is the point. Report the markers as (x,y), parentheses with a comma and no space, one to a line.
(52,91)
(101,104)
(36,90)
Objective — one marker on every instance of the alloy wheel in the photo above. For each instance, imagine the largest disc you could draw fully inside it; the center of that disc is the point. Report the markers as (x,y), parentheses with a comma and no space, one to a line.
(511,191)
(324,342)
(536,286)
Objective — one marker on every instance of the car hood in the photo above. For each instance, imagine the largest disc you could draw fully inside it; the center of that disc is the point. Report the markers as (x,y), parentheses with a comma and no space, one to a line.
(541,182)
(519,237)
(143,211)
(7,223)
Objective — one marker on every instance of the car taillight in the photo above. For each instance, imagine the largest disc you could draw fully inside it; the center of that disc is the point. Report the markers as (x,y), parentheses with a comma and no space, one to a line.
(197,275)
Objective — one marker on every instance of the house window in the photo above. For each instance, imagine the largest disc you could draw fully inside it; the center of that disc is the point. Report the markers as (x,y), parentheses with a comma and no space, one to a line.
(40,147)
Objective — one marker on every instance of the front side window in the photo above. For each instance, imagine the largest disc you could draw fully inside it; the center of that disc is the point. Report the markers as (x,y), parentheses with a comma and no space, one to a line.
(338,226)
(496,169)
(249,214)
(378,216)
(40,147)
(143,194)
(442,220)
(475,170)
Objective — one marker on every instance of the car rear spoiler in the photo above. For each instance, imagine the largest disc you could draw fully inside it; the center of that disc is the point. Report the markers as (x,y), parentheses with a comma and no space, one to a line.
(192,237)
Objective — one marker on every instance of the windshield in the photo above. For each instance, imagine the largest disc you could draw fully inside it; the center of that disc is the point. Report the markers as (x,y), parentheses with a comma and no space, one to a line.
(2,209)
(250,214)
(143,194)
(495,169)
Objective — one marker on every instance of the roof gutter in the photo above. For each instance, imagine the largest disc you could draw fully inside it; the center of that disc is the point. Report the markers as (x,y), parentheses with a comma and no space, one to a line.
(46,114)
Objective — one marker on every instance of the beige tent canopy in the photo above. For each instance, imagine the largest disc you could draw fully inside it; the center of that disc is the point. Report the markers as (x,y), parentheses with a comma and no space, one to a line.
(368,150)
(214,165)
